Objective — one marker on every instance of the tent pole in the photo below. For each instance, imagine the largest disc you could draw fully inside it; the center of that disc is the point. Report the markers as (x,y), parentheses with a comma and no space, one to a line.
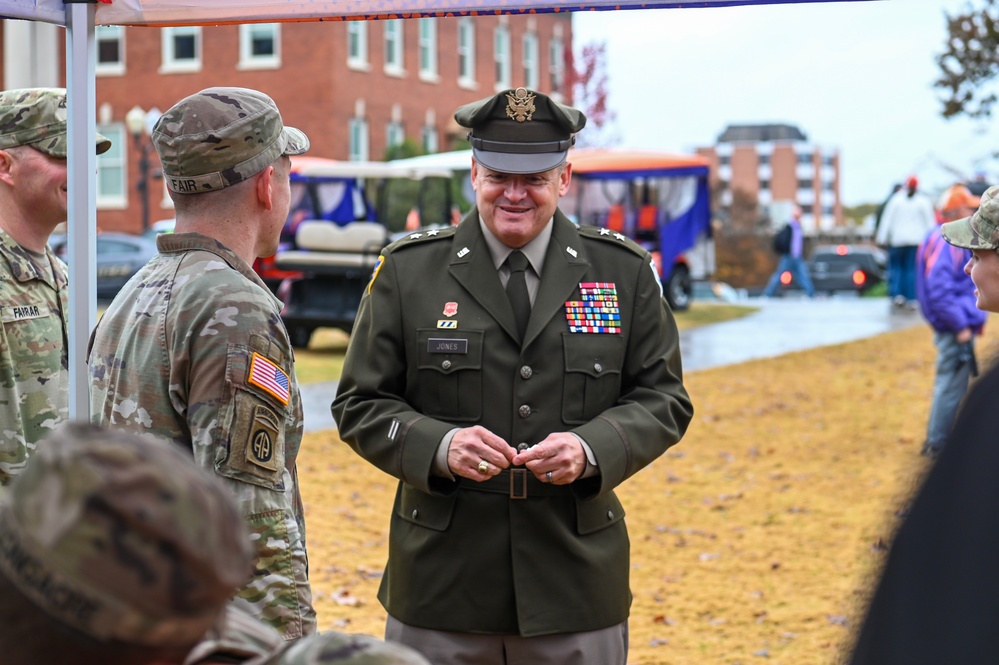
(81,53)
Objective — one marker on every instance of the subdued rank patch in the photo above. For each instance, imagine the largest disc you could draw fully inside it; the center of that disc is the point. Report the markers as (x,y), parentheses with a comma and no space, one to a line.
(375,270)
(597,311)
(21,312)
(446,324)
(263,441)
(270,378)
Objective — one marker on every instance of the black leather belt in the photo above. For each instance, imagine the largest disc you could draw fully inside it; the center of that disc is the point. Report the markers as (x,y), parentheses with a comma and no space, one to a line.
(517,484)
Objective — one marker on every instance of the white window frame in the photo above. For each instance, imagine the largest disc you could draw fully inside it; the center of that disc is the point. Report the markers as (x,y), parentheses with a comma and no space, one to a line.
(358,140)
(429,139)
(556,65)
(532,77)
(428,49)
(357,35)
(113,164)
(395,134)
(107,33)
(247,59)
(501,57)
(394,51)
(466,53)
(170,62)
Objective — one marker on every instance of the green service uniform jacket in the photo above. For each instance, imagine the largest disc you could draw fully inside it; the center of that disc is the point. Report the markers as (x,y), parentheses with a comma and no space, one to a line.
(467,556)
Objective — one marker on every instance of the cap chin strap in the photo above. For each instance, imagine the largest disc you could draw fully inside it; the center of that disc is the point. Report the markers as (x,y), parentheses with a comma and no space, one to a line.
(521,148)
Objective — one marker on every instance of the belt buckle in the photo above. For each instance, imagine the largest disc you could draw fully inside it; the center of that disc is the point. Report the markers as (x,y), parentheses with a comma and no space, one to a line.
(518,480)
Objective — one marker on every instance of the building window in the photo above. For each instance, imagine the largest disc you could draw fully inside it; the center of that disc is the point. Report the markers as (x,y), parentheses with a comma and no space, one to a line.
(828,160)
(466,51)
(501,55)
(395,134)
(393,46)
(110,49)
(724,160)
(531,60)
(181,49)
(429,139)
(806,184)
(428,48)
(805,158)
(111,188)
(259,45)
(764,184)
(556,64)
(764,159)
(358,139)
(357,44)
(807,208)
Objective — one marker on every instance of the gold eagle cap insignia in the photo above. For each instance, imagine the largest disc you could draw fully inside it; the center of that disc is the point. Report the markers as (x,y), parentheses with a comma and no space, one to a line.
(520,104)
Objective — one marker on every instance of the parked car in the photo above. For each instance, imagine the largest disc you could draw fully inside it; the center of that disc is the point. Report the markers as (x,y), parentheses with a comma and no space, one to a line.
(835,268)
(119,256)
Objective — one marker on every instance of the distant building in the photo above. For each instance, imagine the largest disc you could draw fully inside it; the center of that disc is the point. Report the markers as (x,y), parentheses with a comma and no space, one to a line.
(356,88)
(775,163)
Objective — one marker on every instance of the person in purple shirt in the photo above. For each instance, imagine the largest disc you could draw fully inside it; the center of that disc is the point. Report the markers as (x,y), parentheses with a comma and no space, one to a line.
(947,299)
(793,261)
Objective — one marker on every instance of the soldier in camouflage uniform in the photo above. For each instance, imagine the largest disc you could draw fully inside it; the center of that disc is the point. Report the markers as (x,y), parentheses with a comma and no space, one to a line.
(33,294)
(193,348)
(117,549)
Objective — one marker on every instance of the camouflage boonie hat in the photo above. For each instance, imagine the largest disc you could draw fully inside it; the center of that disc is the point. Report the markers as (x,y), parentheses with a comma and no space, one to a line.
(347,649)
(981,230)
(520,131)
(220,137)
(122,538)
(37,117)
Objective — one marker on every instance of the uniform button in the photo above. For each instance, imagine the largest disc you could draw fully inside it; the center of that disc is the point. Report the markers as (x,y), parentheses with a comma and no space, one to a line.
(521,447)
(610,514)
(446,364)
(416,513)
(524,411)
(597,367)
(526,372)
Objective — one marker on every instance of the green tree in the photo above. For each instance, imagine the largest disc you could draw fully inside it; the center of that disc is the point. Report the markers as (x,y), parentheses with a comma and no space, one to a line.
(970,60)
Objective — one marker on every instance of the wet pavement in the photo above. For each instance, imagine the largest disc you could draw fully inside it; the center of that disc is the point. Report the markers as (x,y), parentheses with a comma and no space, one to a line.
(780,326)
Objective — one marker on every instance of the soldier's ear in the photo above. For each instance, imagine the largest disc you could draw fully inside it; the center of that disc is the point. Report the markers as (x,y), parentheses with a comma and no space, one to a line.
(6,164)
(265,188)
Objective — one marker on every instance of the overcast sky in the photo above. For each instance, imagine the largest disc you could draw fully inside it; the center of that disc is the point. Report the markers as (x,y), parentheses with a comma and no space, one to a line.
(853,76)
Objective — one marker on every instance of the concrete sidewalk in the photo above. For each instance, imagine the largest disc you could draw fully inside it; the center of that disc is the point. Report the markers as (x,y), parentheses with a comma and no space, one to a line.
(780,326)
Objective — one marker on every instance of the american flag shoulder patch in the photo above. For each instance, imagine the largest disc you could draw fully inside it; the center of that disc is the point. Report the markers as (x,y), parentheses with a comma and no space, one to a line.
(270,378)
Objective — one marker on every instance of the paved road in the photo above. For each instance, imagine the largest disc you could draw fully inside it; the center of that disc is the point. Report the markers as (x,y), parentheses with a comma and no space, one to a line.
(780,326)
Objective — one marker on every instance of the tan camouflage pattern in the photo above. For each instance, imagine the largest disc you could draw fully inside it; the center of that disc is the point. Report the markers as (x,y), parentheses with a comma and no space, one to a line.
(37,117)
(122,538)
(34,372)
(243,639)
(221,136)
(170,357)
(981,230)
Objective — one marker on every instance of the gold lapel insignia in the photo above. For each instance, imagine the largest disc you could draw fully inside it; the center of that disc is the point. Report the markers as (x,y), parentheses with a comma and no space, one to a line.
(520,105)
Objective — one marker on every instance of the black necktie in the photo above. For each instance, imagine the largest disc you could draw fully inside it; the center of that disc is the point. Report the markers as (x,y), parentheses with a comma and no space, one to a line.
(516,290)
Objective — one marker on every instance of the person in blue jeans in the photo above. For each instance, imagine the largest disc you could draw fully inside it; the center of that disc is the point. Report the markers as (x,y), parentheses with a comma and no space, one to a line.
(947,299)
(908,217)
(793,261)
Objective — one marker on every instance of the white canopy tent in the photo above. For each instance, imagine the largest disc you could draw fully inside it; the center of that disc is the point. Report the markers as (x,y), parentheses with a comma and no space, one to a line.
(80,16)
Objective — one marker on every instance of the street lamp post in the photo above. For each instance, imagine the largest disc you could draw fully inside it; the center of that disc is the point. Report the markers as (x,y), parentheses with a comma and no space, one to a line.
(138,121)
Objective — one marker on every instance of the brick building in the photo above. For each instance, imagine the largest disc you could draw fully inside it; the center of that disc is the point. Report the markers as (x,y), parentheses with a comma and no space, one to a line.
(355,87)
(775,164)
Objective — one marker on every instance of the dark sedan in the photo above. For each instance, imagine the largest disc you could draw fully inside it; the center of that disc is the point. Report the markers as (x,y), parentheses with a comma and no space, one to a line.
(119,256)
(835,268)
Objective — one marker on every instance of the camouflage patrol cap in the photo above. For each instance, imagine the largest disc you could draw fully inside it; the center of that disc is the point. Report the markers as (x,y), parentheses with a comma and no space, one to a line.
(981,230)
(520,131)
(122,538)
(220,137)
(37,117)
(332,648)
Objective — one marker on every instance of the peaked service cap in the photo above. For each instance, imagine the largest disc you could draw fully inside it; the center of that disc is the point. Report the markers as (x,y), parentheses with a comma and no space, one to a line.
(520,131)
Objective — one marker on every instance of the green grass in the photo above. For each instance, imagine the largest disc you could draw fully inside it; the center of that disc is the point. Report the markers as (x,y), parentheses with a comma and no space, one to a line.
(323,360)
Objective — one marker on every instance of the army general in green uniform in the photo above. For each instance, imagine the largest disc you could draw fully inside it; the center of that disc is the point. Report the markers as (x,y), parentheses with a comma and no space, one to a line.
(511,372)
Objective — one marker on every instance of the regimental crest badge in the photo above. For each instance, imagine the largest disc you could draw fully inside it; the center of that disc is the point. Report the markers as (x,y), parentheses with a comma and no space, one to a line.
(520,104)
(450,308)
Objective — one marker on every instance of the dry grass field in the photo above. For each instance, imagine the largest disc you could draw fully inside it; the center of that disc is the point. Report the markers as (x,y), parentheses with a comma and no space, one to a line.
(756,539)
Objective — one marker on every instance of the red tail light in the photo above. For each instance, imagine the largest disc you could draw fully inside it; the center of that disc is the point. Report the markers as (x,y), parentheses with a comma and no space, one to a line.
(785,277)
(859,277)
